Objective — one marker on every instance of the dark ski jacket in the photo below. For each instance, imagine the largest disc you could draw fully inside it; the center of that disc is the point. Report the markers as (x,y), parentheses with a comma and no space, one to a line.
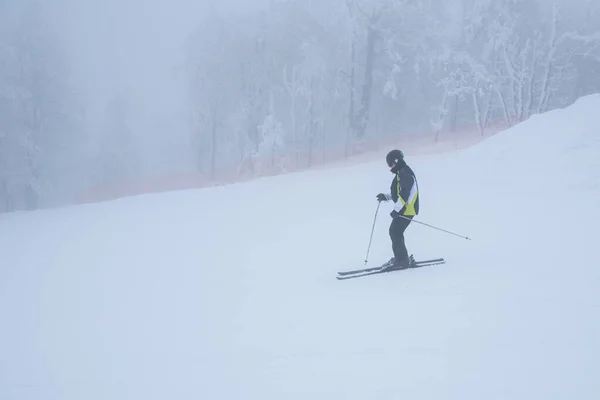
(404,191)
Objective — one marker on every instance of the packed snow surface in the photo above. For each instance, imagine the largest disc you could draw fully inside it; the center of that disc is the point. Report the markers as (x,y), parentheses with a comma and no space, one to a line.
(230,292)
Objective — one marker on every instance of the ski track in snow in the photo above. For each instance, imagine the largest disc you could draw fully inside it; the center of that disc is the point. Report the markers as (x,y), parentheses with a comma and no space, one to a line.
(230,292)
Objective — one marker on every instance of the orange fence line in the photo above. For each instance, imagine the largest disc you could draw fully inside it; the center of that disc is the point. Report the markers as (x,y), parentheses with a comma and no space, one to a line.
(256,167)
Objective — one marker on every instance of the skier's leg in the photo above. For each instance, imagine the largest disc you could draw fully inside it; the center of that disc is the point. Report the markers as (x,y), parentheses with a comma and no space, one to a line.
(393,230)
(397,228)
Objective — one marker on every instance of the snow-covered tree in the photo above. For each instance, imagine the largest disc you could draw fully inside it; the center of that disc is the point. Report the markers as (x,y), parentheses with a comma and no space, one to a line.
(116,152)
(39,110)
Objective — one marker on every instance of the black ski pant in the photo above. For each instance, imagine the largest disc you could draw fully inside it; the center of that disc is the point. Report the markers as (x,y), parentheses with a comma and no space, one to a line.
(397,228)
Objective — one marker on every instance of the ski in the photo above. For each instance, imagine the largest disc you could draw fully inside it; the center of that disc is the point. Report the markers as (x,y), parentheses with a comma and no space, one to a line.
(380,270)
(360,271)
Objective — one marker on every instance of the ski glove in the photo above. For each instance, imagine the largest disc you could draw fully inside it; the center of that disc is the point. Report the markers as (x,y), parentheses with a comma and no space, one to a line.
(382,197)
(395,214)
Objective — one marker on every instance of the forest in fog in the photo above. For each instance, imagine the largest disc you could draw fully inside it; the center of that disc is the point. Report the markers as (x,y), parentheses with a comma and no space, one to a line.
(97,92)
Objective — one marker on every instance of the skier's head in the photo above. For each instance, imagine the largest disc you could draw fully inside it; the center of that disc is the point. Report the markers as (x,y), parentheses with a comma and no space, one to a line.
(395,160)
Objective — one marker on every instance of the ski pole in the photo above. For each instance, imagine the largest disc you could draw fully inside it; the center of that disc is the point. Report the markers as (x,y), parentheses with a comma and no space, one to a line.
(372,230)
(439,229)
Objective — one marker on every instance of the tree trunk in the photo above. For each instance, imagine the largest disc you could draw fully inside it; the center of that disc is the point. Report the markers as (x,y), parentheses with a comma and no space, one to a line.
(453,119)
(487,113)
(549,64)
(213,152)
(504,106)
(311,117)
(477,109)
(351,105)
(362,117)
(530,88)
(439,123)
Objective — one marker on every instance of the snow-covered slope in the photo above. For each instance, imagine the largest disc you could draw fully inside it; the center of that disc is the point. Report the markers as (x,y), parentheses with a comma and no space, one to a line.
(230,292)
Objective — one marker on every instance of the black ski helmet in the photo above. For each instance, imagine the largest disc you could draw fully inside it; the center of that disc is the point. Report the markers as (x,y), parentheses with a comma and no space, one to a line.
(393,157)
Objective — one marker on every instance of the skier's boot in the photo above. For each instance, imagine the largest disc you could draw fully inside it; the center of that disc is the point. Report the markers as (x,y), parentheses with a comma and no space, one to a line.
(388,264)
(402,264)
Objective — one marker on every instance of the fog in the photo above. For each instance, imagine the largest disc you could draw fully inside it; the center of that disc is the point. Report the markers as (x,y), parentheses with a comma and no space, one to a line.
(101,92)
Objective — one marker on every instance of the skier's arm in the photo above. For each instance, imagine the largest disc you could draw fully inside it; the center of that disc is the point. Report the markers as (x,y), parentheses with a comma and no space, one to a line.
(406,183)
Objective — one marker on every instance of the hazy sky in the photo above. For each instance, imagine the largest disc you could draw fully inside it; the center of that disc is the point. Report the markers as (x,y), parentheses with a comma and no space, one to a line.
(134,47)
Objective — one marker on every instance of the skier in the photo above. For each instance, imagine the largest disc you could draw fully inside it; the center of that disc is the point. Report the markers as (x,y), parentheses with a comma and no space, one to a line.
(405,193)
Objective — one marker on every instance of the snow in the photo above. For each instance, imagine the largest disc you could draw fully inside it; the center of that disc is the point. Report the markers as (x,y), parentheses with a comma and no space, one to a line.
(230,292)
